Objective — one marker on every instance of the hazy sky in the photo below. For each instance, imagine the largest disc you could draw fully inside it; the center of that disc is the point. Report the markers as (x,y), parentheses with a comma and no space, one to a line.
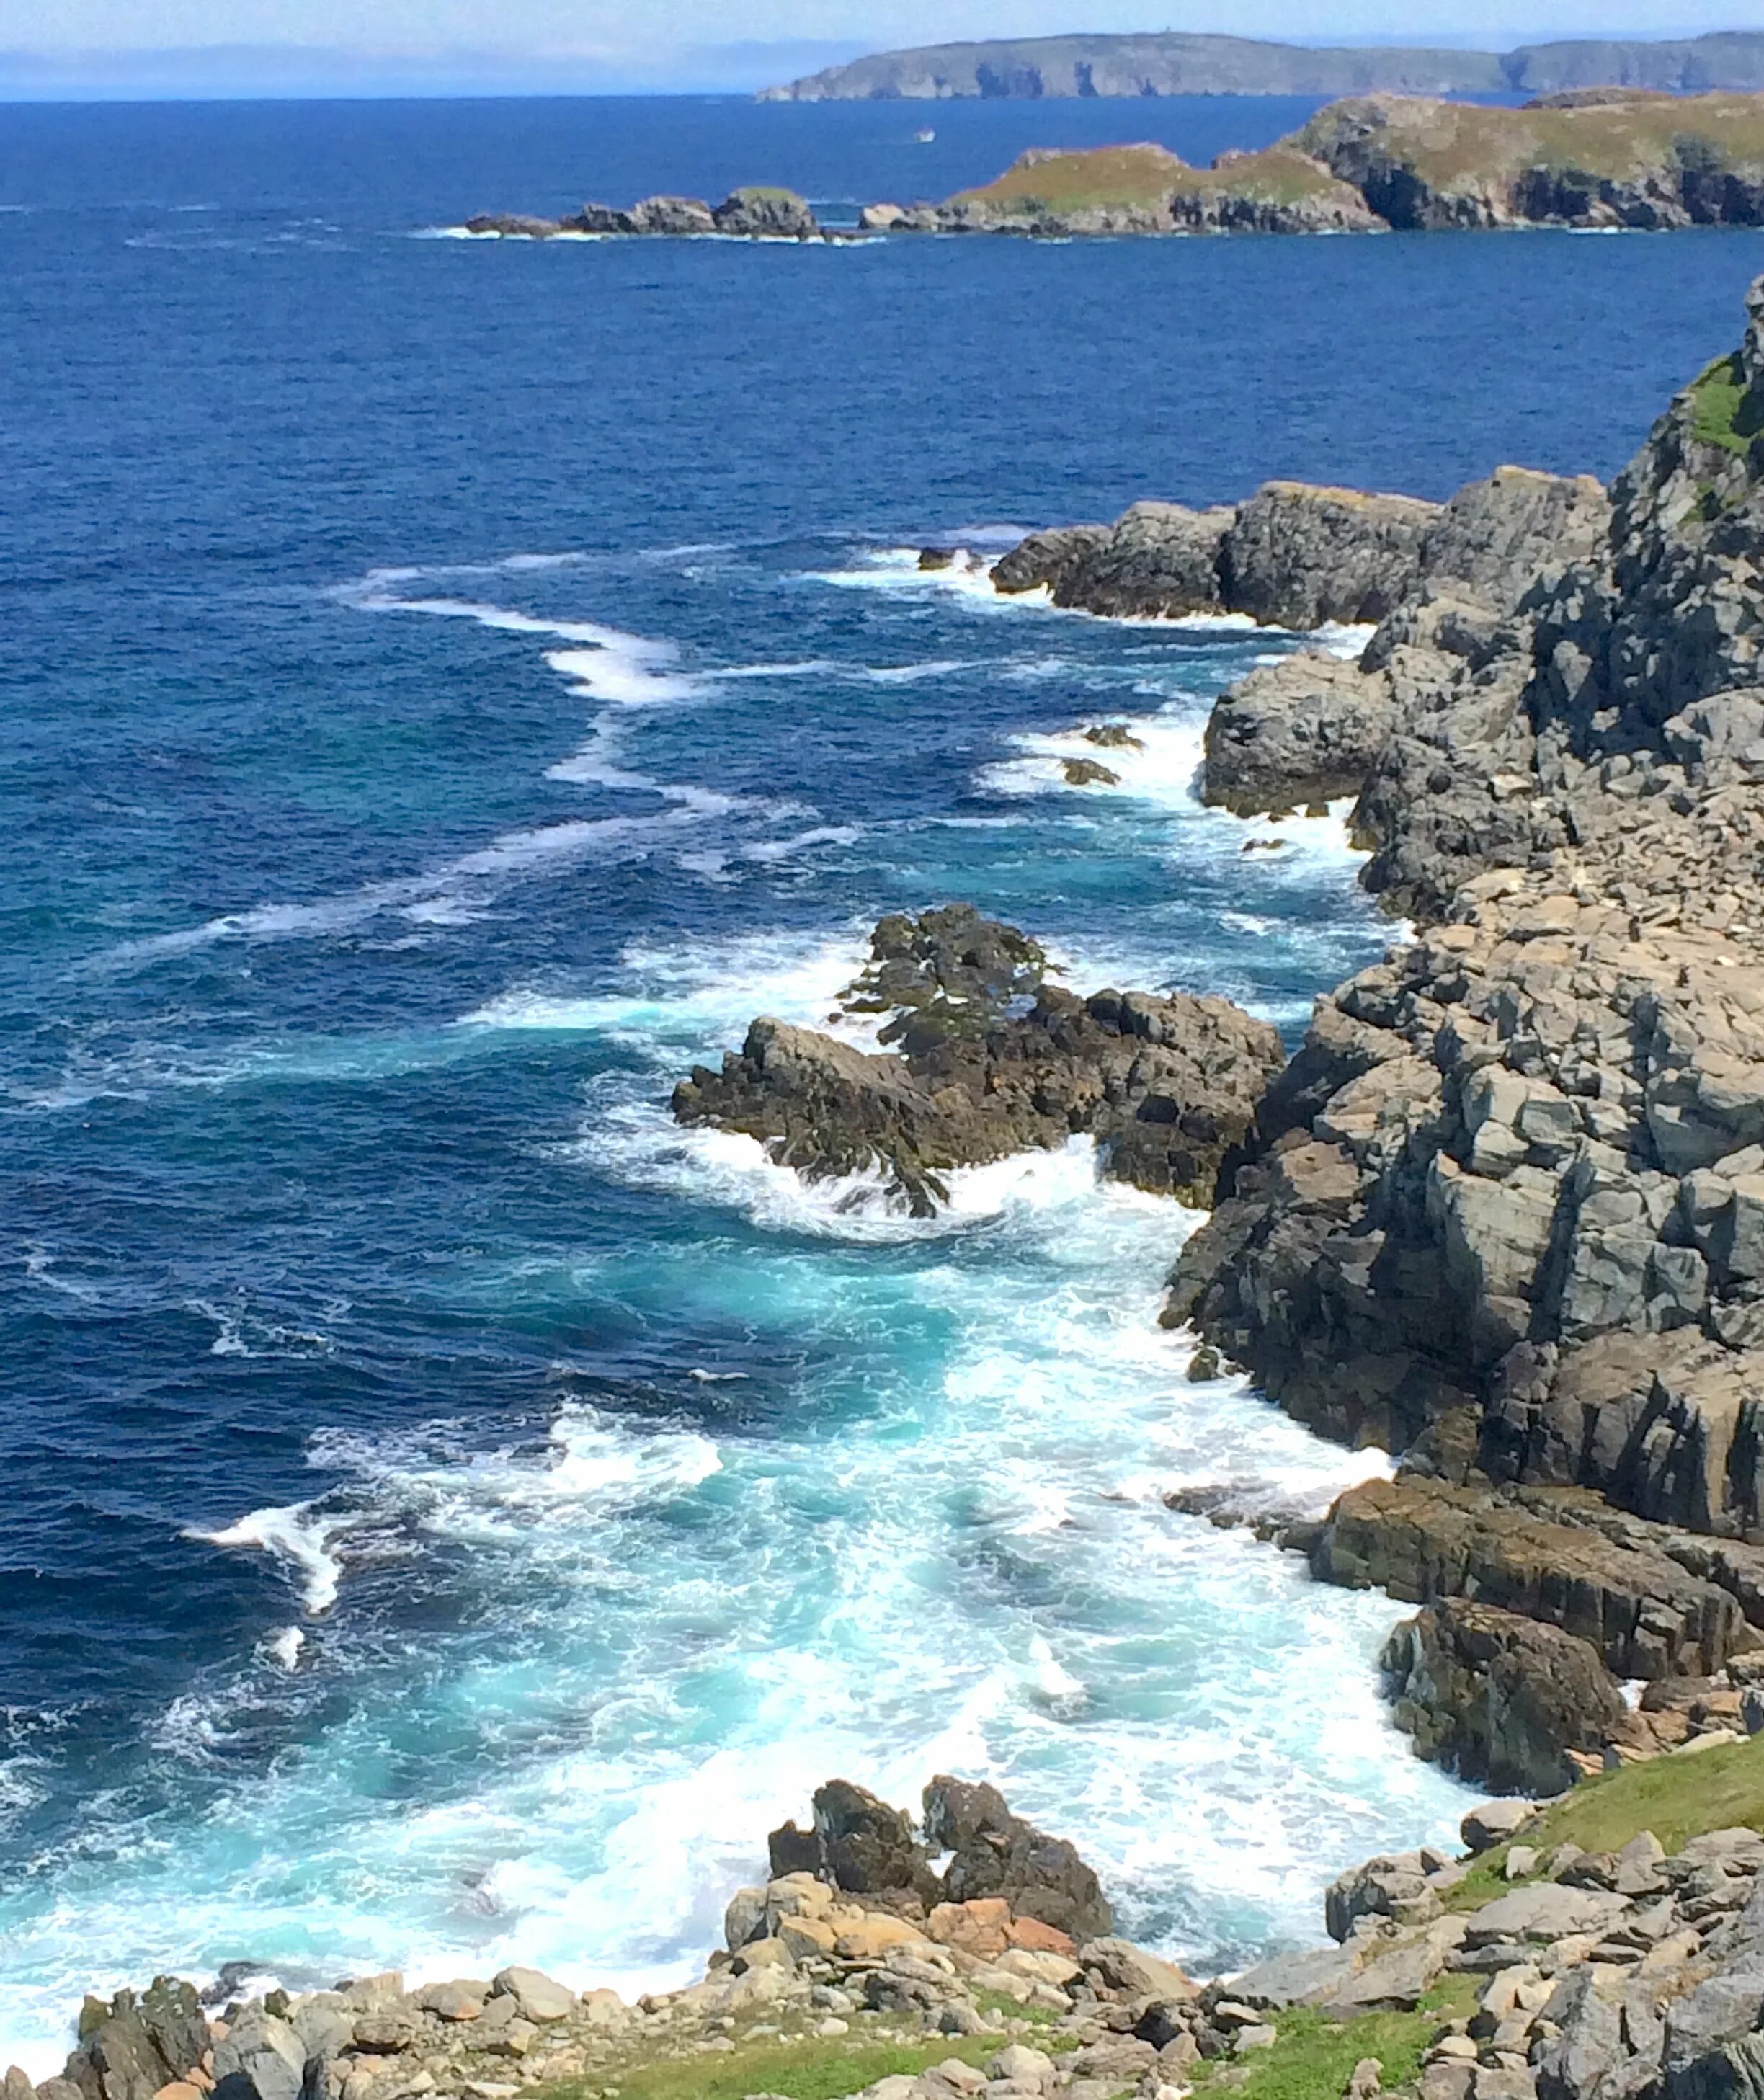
(692,38)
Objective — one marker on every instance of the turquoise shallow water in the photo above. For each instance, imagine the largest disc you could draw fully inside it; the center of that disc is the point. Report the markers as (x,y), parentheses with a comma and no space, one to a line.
(454,1513)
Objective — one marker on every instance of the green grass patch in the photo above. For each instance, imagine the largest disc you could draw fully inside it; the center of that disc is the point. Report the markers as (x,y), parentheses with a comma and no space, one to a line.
(1314,2057)
(996,2005)
(1718,406)
(1677,1797)
(811,2069)
(1127,176)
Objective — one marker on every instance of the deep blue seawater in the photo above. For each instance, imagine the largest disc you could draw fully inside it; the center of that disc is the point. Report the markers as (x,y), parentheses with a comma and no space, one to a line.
(451,1514)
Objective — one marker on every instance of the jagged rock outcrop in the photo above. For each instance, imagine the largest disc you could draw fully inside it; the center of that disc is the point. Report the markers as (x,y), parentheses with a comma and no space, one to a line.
(1166,1084)
(1441,580)
(1159,559)
(855,1843)
(994,1853)
(1641,1612)
(1293,555)
(755,213)
(1306,729)
(1002,1880)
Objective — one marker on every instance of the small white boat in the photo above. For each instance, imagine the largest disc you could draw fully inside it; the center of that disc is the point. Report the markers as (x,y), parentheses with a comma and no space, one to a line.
(924,137)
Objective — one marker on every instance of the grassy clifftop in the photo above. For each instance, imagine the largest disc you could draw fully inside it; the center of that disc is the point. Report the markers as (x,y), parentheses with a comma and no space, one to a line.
(1447,143)
(1152,183)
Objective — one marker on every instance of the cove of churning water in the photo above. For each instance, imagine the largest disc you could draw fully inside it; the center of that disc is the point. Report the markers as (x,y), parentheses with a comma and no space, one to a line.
(455,1513)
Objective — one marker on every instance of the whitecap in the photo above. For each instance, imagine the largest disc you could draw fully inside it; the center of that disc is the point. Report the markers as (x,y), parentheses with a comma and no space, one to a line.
(297,1533)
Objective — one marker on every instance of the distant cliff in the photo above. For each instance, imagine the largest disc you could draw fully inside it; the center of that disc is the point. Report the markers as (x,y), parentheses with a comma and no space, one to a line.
(1028,68)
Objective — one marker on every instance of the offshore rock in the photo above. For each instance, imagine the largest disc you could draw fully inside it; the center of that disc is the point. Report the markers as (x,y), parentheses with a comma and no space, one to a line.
(1166,1084)
(759,214)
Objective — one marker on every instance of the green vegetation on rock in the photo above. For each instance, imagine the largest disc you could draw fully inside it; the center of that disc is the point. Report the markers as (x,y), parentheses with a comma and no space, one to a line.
(1723,411)
(1314,2056)
(1122,177)
(1677,1797)
(810,2068)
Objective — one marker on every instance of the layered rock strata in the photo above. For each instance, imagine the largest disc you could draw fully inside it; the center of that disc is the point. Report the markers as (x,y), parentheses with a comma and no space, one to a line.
(984,1056)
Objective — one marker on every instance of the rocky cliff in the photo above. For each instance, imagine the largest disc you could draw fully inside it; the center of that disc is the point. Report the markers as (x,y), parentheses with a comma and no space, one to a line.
(1505,1209)
(1615,157)
(1033,68)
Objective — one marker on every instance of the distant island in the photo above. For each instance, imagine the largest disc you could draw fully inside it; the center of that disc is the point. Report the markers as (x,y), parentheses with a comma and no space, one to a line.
(1033,68)
(1590,157)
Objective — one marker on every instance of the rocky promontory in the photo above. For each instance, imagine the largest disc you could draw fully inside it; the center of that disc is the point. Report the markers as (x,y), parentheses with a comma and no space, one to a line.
(984,1055)
(1499,1211)
(1607,158)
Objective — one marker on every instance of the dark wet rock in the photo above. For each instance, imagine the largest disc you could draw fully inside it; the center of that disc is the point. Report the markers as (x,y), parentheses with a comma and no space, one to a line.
(1087,773)
(992,1060)
(995,1852)
(861,1844)
(512,226)
(1158,559)
(766,214)
(1500,1698)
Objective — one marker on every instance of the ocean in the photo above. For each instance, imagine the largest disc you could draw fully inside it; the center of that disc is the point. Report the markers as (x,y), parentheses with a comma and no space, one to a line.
(452,687)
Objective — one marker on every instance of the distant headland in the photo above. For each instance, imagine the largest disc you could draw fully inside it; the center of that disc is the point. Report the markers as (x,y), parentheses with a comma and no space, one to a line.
(1033,68)
(1591,157)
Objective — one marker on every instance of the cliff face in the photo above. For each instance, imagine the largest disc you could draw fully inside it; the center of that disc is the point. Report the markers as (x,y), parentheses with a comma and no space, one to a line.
(1508,1198)
(1033,68)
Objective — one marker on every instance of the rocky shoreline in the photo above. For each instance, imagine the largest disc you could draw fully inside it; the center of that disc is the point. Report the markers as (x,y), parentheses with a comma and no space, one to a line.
(1503,1212)
(1533,1967)
(1602,157)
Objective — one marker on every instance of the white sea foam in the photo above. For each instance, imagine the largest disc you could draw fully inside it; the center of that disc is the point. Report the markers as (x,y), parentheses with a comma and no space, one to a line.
(283,1646)
(620,671)
(896,569)
(703,992)
(297,1534)
(968,1566)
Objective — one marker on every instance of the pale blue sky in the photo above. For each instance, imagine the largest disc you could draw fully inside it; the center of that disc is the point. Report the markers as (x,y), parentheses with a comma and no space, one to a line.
(689,42)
